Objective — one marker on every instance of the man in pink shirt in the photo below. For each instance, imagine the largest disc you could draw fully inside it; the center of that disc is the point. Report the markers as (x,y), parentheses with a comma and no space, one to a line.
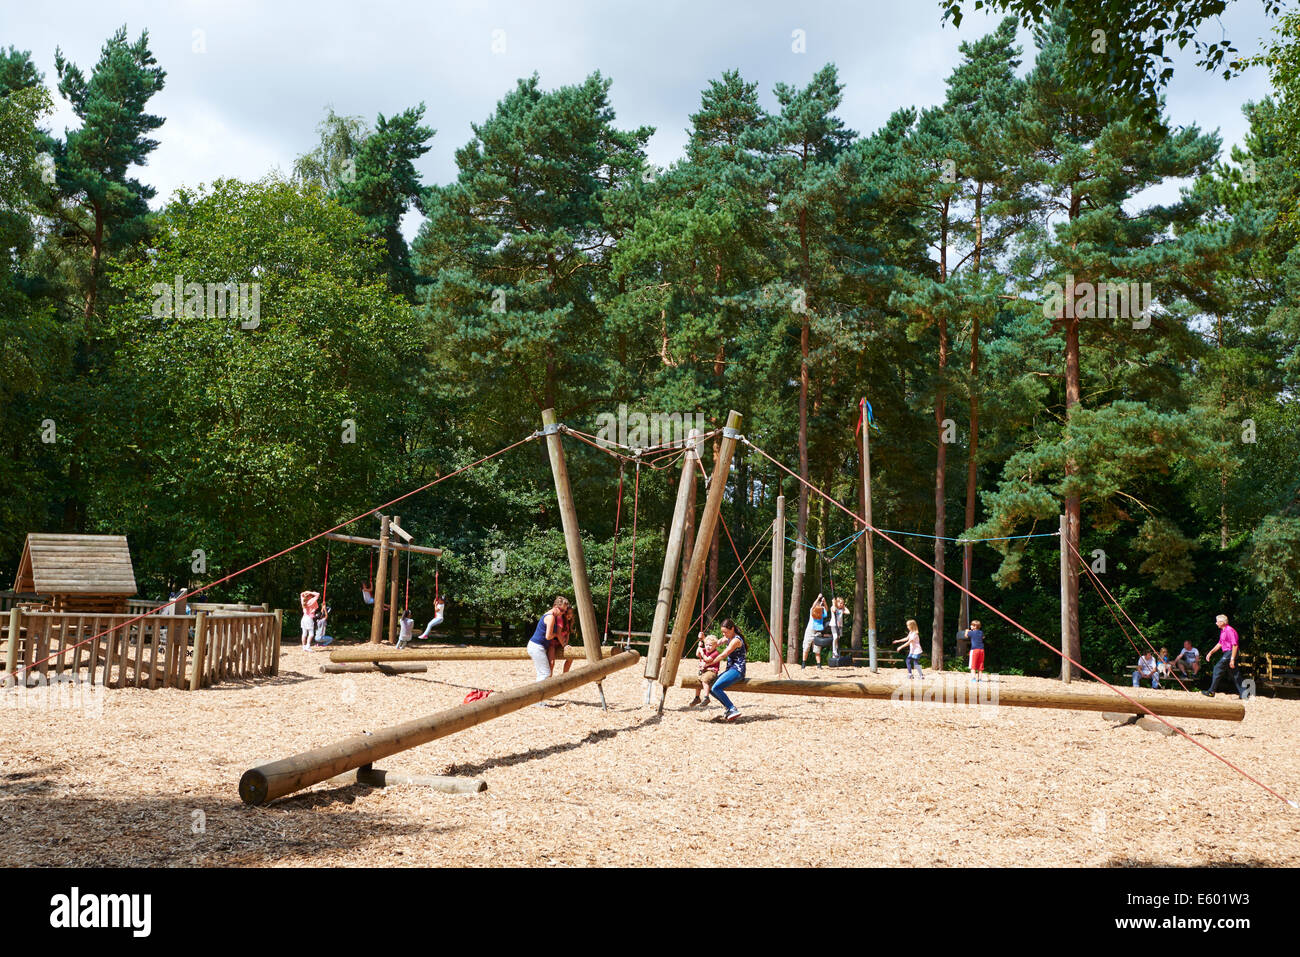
(1228,644)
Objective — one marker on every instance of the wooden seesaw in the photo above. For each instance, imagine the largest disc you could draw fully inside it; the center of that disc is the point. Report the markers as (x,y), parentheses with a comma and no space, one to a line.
(373,653)
(1191,706)
(278,778)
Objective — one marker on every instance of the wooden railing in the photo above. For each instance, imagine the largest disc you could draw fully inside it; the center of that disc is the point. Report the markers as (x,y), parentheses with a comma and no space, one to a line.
(160,651)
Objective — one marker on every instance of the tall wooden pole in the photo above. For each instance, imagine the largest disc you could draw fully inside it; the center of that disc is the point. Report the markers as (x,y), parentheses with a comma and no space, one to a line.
(11,650)
(700,557)
(392,598)
(672,557)
(381,578)
(573,542)
(776,646)
(868,535)
(1065,599)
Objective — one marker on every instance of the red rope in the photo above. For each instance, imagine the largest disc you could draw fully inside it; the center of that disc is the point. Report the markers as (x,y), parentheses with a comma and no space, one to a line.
(1129,698)
(285,551)
(1098,586)
(325,589)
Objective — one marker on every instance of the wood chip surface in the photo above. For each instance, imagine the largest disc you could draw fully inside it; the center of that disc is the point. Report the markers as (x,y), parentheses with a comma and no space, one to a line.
(152,780)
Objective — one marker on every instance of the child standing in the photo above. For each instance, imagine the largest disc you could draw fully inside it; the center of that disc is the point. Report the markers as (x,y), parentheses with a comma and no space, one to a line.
(708,667)
(407,627)
(913,641)
(309,601)
(976,637)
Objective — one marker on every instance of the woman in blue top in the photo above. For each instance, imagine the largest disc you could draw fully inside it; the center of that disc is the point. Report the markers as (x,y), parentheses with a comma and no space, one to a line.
(546,635)
(734,647)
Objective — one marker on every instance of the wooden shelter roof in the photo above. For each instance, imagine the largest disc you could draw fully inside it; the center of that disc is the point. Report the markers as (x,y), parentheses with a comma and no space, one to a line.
(55,564)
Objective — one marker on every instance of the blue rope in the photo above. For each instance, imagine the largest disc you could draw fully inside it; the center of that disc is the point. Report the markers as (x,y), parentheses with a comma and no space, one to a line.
(971,541)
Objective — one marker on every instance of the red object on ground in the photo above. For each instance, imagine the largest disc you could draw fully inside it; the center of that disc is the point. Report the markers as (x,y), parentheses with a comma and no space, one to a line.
(476,695)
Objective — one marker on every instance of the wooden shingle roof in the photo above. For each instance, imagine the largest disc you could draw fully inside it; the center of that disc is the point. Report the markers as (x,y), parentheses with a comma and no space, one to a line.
(76,565)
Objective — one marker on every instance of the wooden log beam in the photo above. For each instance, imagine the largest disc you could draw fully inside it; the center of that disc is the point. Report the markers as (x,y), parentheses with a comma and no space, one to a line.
(962,692)
(278,778)
(398,546)
(371,666)
(573,542)
(672,556)
(360,653)
(377,612)
(700,557)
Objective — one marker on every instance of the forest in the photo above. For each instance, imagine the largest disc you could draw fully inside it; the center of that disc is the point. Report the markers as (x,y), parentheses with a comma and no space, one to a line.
(227,371)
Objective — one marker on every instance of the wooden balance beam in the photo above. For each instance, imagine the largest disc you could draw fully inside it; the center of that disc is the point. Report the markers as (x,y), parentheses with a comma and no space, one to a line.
(278,778)
(385,653)
(368,667)
(1171,706)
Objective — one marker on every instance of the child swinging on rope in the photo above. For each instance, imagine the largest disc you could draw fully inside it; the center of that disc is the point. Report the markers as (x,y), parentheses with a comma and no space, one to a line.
(438,607)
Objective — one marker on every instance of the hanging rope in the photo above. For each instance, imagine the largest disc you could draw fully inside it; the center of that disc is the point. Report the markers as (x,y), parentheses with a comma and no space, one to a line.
(631,575)
(618,514)
(325,588)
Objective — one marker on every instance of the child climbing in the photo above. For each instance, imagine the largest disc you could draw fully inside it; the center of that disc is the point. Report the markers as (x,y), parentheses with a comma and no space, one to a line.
(913,641)
(814,634)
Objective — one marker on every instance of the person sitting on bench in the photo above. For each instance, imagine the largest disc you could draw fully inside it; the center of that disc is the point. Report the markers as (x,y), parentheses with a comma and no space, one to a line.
(1147,668)
(1189,657)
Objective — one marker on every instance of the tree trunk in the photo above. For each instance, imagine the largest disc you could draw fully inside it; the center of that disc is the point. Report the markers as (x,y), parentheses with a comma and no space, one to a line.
(968,556)
(1070,640)
(940,523)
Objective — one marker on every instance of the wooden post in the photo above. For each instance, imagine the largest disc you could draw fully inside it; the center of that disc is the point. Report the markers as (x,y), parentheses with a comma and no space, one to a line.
(275,644)
(695,573)
(11,650)
(958,691)
(672,556)
(392,598)
(381,579)
(200,650)
(373,667)
(573,542)
(776,646)
(1065,598)
(871,554)
(270,781)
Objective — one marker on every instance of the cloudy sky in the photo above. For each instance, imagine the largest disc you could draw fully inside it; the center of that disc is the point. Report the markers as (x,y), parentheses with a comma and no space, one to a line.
(248,82)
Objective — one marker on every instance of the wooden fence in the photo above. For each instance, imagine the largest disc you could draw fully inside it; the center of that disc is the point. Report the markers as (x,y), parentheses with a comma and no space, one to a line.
(161,651)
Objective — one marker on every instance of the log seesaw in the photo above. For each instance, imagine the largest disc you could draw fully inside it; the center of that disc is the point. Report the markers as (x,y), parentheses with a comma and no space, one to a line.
(278,778)
(383,655)
(966,693)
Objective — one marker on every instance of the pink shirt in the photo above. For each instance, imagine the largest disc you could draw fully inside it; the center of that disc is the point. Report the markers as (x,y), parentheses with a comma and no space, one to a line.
(1228,639)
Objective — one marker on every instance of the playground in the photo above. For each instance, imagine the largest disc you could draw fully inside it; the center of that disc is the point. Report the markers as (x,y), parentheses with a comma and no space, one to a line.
(795,781)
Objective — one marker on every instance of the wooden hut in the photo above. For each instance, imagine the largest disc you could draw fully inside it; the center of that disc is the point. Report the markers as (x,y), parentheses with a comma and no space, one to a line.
(78,573)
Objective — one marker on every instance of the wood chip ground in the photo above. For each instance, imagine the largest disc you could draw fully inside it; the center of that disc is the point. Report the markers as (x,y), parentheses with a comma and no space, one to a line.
(795,782)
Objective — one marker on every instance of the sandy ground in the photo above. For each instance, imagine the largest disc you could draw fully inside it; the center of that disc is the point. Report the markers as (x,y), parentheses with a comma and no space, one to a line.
(139,777)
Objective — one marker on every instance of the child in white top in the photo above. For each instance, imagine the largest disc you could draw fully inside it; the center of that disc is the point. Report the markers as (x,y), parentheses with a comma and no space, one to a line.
(407,626)
(913,641)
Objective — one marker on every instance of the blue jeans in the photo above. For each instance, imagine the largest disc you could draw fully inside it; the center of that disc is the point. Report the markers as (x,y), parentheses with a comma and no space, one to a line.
(728,677)
(914,659)
(1221,671)
(1155,679)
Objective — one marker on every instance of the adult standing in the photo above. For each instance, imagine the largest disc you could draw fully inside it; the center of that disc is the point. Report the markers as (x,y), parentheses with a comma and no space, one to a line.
(1228,643)
(735,649)
(545,635)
